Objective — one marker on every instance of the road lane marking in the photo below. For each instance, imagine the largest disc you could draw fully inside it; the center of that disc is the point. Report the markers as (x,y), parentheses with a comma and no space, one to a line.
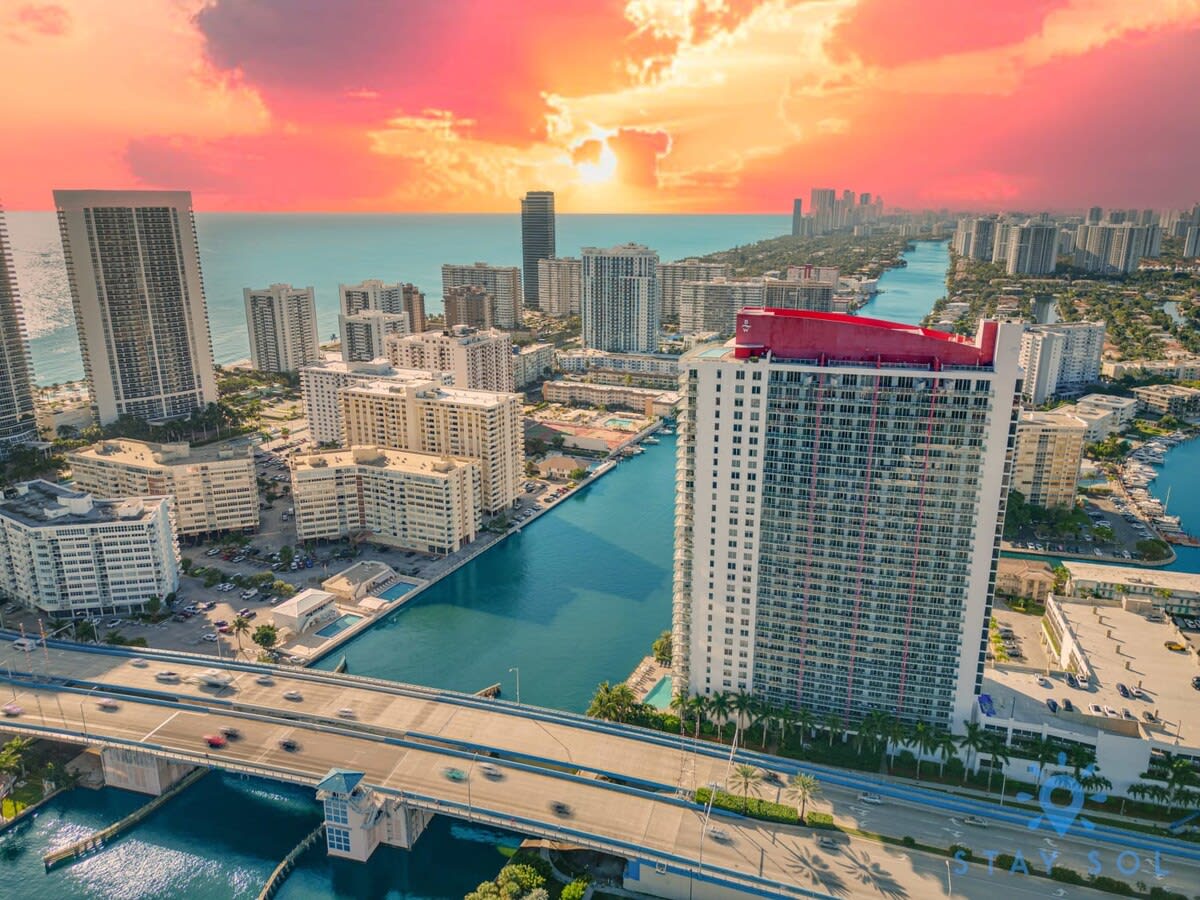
(165,722)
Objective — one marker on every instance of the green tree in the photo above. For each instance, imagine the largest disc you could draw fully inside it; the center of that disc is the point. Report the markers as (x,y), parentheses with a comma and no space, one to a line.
(286,555)
(719,707)
(266,636)
(575,890)
(924,740)
(973,739)
(833,725)
(999,753)
(744,705)
(662,649)
(800,789)
(745,779)
(241,625)
(154,606)
(577,474)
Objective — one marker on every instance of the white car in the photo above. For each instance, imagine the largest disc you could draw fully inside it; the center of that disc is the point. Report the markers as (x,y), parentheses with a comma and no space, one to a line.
(211,637)
(1042,681)
(265,679)
(345,713)
(1109,711)
(115,623)
(294,696)
(138,663)
(873,799)
(167,676)
(975,820)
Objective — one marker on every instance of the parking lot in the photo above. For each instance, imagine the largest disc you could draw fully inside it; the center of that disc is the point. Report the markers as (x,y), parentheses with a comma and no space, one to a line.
(1021,637)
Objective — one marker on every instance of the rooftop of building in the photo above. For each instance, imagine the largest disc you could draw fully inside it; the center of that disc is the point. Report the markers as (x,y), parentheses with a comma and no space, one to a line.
(459,334)
(612,388)
(1106,400)
(1121,647)
(380,458)
(593,353)
(129,452)
(304,602)
(480,265)
(1133,575)
(41,503)
(379,368)
(366,573)
(430,390)
(1064,418)
(1164,390)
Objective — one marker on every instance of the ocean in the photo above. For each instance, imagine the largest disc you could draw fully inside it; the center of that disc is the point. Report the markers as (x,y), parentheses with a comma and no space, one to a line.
(240,250)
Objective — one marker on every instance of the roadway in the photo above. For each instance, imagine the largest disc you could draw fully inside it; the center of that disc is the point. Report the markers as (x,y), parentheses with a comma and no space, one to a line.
(404,737)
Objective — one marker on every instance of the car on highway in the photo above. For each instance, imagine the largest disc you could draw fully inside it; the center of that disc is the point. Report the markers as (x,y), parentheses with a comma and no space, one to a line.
(108,704)
(138,663)
(345,713)
(976,821)
(264,679)
(491,771)
(289,745)
(452,774)
(873,799)
(167,676)
(825,842)
(294,696)
(560,809)
(216,741)
(720,835)
(12,710)
(231,733)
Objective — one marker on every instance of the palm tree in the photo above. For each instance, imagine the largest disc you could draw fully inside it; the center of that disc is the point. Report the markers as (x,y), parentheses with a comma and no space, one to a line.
(744,705)
(806,721)
(833,722)
(602,706)
(1181,775)
(896,734)
(241,625)
(998,750)
(680,704)
(973,739)
(745,779)
(922,738)
(765,715)
(718,708)
(868,729)
(698,705)
(944,746)
(625,701)
(800,789)
(785,718)
(1043,752)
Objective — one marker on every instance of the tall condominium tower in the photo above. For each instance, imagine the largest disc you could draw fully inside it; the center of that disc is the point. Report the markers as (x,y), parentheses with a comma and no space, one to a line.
(479,360)
(841,489)
(1032,249)
(133,266)
(797,217)
(620,304)
(282,321)
(537,238)
(559,286)
(672,275)
(17,424)
(374,295)
(502,282)
(365,334)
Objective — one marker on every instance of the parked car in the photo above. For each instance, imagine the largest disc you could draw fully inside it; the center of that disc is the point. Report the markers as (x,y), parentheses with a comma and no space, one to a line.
(1072,681)
(1067,705)
(1052,704)
(1123,691)
(211,637)
(1095,710)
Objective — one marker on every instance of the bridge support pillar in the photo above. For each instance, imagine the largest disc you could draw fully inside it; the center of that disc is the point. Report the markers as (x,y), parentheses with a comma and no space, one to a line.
(357,819)
(139,770)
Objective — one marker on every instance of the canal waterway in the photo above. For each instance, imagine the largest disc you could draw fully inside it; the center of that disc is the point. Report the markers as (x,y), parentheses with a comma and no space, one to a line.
(1178,477)
(575,598)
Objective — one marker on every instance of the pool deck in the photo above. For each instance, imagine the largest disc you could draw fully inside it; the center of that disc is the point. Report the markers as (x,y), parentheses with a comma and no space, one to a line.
(647,674)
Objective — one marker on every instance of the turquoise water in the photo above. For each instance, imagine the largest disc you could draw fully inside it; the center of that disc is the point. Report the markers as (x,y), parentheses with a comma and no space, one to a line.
(626,424)
(1178,475)
(660,695)
(239,250)
(397,590)
(574,598)
(908,294)
(339,625)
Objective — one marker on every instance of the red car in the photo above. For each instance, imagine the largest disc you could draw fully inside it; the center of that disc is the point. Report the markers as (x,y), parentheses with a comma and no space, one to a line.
(216,741)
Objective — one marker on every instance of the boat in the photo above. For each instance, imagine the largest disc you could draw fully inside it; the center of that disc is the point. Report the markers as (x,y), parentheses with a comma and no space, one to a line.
(652,441)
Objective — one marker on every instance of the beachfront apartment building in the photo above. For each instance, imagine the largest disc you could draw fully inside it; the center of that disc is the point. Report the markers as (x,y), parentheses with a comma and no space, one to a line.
(133,268)
(619,306)
(212,489)
(503,283)
(18,418)
(66,554)
(480,360)
(1061,360)
(470,306)
(415,501)
(1105,414)
(537,239)
(321,387)
(1032,248)
(1177,368)
(712,306)
(673,275)
(374,295)
(841,491)
(1047,455)
(282,323)
(427,417)
(364,334)
(559,286)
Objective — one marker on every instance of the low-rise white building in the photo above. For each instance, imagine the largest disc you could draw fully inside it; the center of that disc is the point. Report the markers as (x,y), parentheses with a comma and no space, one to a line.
(321,387)
(416,501)
(1134,586)
(212,489)
(478,360)
(647,401)
(66,554)
(532,363)
(305,611)
(578,362)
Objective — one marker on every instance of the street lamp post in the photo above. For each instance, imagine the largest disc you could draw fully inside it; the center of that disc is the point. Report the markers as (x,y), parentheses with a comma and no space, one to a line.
(712,795)
(949,887)
(470,772)
(517,670)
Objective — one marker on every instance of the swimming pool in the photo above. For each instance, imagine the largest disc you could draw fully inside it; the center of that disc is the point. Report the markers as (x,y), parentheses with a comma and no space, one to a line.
(338,625)
(399,589)
(660,695)
(620,424)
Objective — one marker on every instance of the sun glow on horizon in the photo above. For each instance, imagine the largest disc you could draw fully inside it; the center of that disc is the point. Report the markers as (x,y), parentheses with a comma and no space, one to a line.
(602,170)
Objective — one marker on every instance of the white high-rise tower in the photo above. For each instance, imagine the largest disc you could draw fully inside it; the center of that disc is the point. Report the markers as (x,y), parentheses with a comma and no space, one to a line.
(620,305)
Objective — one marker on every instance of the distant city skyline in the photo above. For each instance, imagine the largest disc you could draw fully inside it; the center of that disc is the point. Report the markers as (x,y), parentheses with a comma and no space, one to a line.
(632,106)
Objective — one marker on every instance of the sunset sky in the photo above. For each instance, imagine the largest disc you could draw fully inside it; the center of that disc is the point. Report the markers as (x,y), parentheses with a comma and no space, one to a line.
(617,105)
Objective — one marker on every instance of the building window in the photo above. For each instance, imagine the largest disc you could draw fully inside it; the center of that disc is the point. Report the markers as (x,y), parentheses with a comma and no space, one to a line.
(338,839)
(335,811)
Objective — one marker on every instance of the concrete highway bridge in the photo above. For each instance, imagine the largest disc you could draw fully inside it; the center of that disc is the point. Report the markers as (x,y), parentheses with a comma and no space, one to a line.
(378,752)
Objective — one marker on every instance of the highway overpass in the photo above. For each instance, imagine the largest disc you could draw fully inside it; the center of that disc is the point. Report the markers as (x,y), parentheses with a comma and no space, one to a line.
(629,790)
